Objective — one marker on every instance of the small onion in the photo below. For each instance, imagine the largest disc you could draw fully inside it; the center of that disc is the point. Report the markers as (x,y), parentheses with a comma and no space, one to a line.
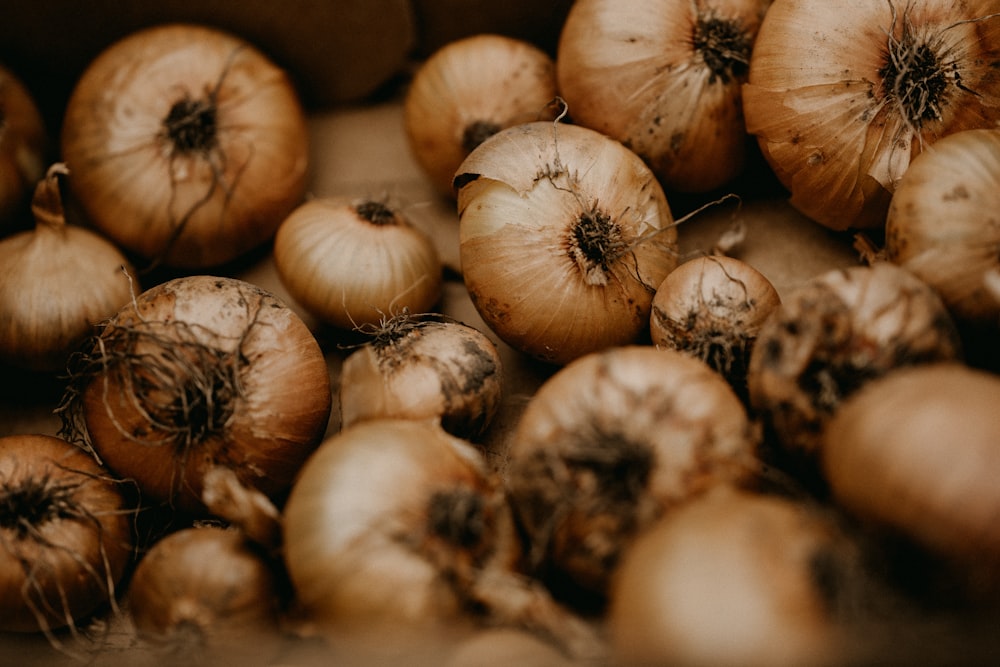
(468,90)
(204,595)
(187,145)
(944,222)
(57,282)
(841,95)
(422,368)
(737,579)
(23,145)
(350,262)
(712,308)
(834,333)
(917,452)
(663,77)
(564,236)
(200,372)
(609,443)
(65,534)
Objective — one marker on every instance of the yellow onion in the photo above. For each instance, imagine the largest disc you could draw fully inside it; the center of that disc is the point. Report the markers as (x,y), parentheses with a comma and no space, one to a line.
(842,95)
(468,90)
(57,282)
(564,235)
(187,145)
(663,77)
(353,261)
(944,223)
(23,144)
(197,373)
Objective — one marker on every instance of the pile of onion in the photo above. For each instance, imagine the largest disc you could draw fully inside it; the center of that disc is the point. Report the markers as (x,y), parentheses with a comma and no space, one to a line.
(842,95)
(23,146)
(187,145)
(199,373)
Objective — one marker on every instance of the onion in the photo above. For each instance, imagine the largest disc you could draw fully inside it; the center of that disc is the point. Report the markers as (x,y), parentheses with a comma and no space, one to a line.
(200,372)
(564,235)
(23,146)
(942,223)
(916,452)
(664,78)
(831,335)
(468,90)
(351,261)
(203,595)
(734,578)
(397,539)
(609,443)
(187,145)
(423,368)
(65,534)
(842,95)
(712,308)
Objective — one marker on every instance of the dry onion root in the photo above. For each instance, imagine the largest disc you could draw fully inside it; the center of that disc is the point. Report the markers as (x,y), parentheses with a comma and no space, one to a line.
(57,282)
(834,333)
(608,444)
(65,534)
(23,146)
(204,595)
(664,78)
(467,91)
(196,373)
(187,145)
(916,452)
(712,308)
(421,367)
(842,95)
(943,227)
(564,235)
(398,541)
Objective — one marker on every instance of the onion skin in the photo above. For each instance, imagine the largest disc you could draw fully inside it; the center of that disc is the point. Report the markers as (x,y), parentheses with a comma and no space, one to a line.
(469,89)
(634,70)
(194,206)
(824,113)
(23,146)
(532,200)
(69,564)
(943,225)
(263,422)
(612,441)
(916,452)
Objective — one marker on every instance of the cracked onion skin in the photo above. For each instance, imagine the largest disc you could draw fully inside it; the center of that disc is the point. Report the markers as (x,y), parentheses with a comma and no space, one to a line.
(564,236)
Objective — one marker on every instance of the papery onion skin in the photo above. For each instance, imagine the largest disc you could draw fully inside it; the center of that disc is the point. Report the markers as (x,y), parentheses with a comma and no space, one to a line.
(664,78)
(57,283)
(422,368)
(80,540)
(352,262)
(564,235)
(943,223)
(916,451)
(612,441)
(468,90)
(204,371)
(834,333)
(23,145)
(222,182)
(820,103)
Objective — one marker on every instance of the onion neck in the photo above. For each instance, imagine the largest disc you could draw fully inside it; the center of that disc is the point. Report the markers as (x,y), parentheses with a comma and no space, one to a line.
(46,204)
(377,213)
(191,126)
(477,132)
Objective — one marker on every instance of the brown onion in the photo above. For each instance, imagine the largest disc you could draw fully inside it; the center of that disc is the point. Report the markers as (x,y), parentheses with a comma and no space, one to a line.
(468,90)
(842,95)
(57,282)
(663,77)
(187,145)
(23,145)
(65,534)
(564,236)
(200,372)
(609,443)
